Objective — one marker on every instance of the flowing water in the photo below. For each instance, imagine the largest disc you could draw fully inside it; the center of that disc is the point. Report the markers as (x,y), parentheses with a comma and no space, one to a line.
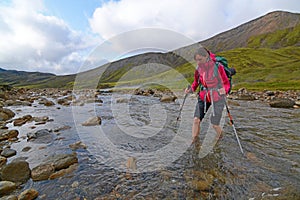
(165,163)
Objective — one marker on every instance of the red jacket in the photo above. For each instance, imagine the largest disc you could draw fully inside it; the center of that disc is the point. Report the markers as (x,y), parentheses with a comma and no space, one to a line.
(204,75)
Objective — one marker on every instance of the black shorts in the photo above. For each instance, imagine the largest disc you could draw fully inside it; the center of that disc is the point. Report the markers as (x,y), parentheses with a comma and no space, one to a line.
(218,108)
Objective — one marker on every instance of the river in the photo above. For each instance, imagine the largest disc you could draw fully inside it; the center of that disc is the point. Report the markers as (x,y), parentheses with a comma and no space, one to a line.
(166,165)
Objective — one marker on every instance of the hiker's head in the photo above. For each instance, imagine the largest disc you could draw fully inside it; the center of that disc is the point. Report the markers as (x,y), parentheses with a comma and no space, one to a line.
(201,55)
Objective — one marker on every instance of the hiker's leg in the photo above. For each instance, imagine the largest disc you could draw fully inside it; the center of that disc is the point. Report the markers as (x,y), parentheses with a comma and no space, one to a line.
(218,130)
(215,120)
(196,127)
(198,116)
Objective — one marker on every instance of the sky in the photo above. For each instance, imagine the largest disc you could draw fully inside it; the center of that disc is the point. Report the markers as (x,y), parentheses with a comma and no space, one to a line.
(62,36)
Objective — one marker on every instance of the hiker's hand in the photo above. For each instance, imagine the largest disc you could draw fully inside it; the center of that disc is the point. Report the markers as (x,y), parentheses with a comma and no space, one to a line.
(188,90)
(222,91)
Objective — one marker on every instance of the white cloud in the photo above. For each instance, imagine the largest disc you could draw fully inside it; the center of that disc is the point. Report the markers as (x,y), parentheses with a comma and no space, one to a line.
(197,19)
(31,40)
(34,41)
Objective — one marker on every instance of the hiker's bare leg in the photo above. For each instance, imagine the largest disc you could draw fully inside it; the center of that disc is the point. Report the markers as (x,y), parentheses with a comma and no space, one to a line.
(196,128)
(218,130)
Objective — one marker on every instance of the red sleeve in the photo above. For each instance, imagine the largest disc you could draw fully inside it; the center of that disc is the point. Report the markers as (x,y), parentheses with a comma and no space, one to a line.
(224,78)
(196,81)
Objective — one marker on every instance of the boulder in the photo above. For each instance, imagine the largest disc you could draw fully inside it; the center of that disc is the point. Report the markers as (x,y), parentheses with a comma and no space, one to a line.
(281,103)
(6,114)
(17,171)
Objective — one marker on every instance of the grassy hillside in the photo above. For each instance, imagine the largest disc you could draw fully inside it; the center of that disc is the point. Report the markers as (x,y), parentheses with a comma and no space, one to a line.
(257,69)
(263,68)
(270,61)
(278,39)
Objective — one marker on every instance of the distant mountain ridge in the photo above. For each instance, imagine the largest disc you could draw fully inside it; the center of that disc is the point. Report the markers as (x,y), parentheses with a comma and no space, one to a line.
(275,30)
(238,37)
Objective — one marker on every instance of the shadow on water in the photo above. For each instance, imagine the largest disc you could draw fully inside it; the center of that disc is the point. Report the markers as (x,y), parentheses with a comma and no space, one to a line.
(269,169)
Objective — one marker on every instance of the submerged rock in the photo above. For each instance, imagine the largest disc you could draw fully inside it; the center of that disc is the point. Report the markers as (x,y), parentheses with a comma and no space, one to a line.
(93,121)
(43,136)
(28,194)
(42,172)
(55,166)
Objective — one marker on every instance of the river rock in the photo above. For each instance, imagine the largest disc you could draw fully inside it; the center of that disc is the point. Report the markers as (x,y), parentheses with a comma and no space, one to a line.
(269,93)
(55,166)
(40,119)
(8,134)
(168,98)
(122,100)
(46,102)
(42,172)
(77,145)
(17,103)
(10,197)
(28,194)
(62,161)
(93,121)
(281,103)
(3,161)
(7,152)
(144,92)
(63,101)
(43,136)
(297,103)
(7,187)
(17,171)
(62,128)
(131,163)
(246,97)
(22,120)
(198,180)
(6,114)
(62,172)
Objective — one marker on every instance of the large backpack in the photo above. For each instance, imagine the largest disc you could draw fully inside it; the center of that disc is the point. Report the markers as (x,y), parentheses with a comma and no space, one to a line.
(230,71)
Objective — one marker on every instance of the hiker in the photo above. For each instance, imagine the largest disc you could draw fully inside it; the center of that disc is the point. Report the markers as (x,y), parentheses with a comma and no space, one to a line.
(214,84)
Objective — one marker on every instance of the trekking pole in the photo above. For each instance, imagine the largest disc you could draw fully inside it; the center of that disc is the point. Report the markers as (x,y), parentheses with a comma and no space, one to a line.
(232,124)
(182,103)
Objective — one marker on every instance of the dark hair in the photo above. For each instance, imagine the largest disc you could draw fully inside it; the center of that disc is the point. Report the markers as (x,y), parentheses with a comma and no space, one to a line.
(201,51)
